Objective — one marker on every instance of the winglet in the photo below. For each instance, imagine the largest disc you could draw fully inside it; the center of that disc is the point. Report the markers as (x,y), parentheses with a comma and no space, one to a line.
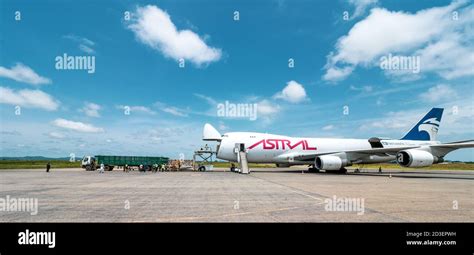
(209,133)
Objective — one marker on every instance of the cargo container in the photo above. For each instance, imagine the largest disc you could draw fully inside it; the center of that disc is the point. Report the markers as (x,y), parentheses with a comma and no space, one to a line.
(91,163)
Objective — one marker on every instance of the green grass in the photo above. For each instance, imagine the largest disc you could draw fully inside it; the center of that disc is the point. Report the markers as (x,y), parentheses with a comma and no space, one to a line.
(448,166)
(37,164)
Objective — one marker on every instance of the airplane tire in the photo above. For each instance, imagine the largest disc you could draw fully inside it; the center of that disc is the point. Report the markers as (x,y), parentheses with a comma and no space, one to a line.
(342,171)
(313,170)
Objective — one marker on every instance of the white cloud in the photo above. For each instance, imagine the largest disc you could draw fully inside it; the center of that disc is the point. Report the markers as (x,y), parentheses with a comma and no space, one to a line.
(164,134)
(144,109)
(136,108)
(22,73)
(293,92)
(267,112)
(156,138)
(171,109)
(266,108)
(77,126)
(365,88)
(458,118)
(334,73)
(208,99)
(453,122)
(174,111)
(451,57)
(328,127)
(86,49)
(153,27)
(431,33)
(28,98)
(361,6)
(439,93)
(393,121)
(5,132)
(56,135)
(85,44)
(91,109)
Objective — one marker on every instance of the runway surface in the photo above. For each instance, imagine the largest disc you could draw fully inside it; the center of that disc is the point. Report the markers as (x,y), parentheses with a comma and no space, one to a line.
(266,195)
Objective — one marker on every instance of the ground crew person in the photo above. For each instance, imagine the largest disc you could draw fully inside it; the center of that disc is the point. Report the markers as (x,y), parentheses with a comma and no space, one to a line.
(48,166)
(101,169)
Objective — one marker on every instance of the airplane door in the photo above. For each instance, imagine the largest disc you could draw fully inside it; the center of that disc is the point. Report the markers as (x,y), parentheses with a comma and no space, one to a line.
(239,147)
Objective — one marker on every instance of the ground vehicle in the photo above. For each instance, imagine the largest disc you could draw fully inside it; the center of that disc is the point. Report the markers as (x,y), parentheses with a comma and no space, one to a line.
(202,167)
(91,163)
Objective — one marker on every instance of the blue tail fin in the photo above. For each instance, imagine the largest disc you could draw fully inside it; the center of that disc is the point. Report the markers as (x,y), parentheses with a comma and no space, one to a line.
(427,128)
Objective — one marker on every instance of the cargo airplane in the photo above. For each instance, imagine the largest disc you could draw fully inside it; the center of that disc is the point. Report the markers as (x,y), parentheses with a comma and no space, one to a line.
(418,148)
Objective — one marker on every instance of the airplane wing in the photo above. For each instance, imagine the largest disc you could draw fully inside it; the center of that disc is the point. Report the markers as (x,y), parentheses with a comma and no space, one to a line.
(439,150)
(353,154)
(457,145)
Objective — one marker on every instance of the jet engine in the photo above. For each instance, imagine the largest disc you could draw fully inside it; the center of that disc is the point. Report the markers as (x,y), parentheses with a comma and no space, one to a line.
(416,158)
(330,162)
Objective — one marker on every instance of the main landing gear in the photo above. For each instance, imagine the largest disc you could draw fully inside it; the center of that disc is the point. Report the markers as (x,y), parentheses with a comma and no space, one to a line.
(313,169)
(342,171)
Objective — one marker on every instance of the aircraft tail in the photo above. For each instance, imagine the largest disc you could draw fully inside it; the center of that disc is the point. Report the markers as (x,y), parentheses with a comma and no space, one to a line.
(209,133)
(427,128)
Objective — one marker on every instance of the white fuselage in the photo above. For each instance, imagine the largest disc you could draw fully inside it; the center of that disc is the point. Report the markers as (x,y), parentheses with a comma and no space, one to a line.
(269,148)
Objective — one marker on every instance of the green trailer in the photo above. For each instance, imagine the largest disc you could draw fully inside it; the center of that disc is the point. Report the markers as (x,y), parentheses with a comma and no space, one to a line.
(92,163)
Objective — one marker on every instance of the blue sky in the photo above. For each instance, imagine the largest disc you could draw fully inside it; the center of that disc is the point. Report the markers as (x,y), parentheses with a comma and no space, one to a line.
(246,61)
